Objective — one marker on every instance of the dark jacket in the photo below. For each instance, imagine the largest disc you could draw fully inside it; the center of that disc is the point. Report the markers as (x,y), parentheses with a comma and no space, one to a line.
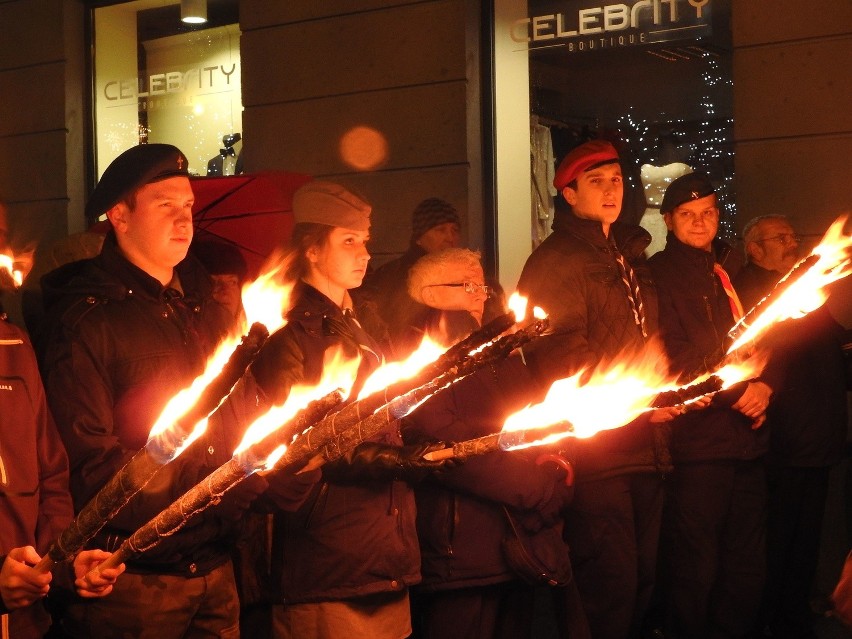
(389,311)
(574,277)
(346,540)
(119,346)
(35,505)
(695,317)
(808,414)
(460,518)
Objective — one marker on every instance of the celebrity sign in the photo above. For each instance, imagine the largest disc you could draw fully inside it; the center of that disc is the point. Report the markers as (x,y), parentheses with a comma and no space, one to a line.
(585,25)
(207,80)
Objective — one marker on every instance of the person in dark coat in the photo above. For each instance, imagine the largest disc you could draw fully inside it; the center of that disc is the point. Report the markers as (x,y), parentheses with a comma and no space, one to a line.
(714,533)
(469,590)
(807,421)
(35,505)
(589,276)
(435,225)
(127,330)
(349,553)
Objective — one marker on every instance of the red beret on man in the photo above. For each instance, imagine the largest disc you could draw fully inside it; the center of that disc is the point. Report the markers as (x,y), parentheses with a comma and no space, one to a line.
(582,158)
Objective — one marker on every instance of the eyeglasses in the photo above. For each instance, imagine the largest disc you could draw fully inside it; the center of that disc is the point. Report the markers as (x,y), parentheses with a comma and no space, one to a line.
(469,287)
(783,238)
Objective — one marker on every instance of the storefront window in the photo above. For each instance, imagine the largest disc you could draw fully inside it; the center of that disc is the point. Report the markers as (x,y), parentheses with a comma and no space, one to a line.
(158,79)
(652,76)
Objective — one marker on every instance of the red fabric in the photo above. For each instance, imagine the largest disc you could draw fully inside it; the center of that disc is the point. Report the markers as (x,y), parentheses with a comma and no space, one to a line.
(733,300)
(251,211)
(580,159)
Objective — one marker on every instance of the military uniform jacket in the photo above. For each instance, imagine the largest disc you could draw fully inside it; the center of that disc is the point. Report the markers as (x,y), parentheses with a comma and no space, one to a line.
(119,347)
(346,540)
(695,317)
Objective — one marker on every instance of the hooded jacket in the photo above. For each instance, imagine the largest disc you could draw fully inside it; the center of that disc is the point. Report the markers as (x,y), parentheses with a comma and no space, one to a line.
(118,346)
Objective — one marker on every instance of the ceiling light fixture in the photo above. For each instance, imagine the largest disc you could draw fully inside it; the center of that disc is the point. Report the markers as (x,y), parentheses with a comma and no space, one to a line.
(193,11)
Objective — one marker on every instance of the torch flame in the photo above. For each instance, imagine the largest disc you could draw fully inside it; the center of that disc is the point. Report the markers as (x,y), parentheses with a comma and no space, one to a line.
(265,300)
(176,407)
(807,292)
(8,264)
(339,372)
(518,305)
(736,372)
(607,398)
(385,375)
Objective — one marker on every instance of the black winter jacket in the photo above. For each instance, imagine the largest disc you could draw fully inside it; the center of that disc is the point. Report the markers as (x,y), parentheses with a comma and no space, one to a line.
(574,277)
(118,346)
(346,540)
(807,417)
(695,317)
(460,518)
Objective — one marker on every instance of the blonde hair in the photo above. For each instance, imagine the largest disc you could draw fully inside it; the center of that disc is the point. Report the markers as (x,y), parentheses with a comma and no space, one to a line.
(429,269)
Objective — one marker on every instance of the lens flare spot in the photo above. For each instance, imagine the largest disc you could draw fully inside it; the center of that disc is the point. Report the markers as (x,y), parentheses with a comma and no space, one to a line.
(363,148)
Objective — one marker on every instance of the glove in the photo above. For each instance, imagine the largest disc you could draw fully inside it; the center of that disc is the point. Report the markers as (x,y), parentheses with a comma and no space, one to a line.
(237,500)
(383,462)
(288,491)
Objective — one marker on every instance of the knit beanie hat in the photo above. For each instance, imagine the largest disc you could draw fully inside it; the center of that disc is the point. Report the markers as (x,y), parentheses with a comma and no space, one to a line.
(430,213)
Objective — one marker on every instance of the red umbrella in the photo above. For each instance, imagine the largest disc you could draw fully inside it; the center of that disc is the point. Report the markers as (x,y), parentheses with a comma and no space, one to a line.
(253,212)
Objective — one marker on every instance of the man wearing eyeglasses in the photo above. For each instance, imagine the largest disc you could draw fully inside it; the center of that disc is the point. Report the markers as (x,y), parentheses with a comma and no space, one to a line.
(772,249)
(807,430)
(713,532)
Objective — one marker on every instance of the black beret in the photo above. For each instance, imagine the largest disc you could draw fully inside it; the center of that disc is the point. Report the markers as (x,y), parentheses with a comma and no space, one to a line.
(692,186)
(130,171)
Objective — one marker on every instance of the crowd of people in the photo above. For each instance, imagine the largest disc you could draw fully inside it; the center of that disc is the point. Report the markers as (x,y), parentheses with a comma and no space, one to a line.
(681,524)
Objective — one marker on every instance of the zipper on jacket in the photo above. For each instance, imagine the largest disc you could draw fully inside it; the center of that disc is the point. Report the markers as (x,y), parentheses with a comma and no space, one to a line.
(708,308)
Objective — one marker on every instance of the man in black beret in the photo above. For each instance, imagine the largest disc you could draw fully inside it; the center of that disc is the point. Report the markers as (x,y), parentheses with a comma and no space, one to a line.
(713,533)
(126,331)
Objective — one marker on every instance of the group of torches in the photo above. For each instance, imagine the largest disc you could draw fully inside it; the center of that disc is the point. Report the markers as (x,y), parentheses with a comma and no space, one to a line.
(317,424)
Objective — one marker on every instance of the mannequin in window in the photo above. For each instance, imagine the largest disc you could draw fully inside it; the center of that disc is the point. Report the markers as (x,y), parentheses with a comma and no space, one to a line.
(667,165)
(229,161)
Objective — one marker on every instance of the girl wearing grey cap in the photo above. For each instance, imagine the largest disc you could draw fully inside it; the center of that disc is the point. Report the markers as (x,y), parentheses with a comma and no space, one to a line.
(349,547)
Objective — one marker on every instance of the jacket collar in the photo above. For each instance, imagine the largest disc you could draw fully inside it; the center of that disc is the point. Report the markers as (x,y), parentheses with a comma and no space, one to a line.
(193,281)
(719,252)
(589,230)
(632,240)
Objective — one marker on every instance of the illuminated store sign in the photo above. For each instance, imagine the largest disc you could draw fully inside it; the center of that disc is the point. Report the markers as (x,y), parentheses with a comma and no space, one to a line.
(210,79)
(590,26)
